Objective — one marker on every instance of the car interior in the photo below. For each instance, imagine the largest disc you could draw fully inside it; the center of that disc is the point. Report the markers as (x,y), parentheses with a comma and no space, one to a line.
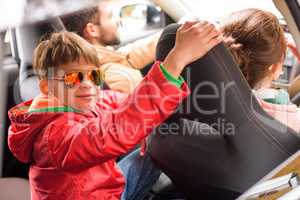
(219,165)
(228,164)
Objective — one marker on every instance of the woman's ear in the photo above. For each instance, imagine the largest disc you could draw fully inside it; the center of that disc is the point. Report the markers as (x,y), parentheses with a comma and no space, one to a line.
(91,31)
(274,67)
(276,70)
(44,88)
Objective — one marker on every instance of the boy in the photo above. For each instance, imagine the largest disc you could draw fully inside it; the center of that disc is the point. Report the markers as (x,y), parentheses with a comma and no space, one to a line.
(73,133)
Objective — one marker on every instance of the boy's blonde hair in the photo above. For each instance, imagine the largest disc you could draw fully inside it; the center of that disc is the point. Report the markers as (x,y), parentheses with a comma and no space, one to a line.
(62,48)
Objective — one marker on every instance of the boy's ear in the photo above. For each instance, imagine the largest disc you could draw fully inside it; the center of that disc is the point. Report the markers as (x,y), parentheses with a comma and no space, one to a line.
(91,31)
(43,84)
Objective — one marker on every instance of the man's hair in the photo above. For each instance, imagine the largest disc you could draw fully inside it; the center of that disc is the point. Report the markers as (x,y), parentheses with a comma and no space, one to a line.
(62,48)
(76,22)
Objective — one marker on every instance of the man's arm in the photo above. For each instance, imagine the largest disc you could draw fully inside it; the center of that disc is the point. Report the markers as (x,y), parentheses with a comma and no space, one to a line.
(141,52)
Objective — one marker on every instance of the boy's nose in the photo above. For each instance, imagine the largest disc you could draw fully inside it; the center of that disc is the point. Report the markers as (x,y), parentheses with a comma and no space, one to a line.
(86,84)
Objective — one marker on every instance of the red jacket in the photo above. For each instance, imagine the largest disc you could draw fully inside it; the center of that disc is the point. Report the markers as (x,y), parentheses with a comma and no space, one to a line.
(72,155)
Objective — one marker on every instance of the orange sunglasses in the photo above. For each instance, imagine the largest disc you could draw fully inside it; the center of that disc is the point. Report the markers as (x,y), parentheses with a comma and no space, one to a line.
(75,77)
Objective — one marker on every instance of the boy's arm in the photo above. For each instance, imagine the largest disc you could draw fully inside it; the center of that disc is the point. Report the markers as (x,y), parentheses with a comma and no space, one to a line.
(97,140)
(117,131)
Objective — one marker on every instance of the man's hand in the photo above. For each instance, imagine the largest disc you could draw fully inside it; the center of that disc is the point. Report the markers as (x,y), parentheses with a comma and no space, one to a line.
(193,40)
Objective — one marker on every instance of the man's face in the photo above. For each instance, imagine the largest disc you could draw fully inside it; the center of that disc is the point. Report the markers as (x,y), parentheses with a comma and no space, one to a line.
(83,95)
(108,25)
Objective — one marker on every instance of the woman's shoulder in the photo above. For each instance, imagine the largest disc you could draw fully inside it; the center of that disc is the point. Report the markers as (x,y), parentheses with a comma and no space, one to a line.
(275,96)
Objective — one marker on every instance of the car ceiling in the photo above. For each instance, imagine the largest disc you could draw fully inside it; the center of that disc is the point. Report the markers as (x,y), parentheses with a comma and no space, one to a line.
(13,12)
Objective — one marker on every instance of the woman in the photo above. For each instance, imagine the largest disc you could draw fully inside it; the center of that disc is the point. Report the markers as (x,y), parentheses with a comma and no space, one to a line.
(257,43)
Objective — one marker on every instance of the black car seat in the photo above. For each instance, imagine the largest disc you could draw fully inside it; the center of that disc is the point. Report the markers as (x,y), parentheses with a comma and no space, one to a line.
(224,141)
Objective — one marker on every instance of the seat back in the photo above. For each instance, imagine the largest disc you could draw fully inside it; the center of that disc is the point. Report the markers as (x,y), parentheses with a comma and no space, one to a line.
(26,87)
(224,141)
(28,37)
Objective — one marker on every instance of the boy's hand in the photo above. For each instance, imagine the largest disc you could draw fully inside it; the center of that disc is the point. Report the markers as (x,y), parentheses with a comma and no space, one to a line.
(193,40)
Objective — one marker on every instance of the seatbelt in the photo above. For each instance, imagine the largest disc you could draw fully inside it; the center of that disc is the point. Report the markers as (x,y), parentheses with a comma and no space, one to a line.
(57,24)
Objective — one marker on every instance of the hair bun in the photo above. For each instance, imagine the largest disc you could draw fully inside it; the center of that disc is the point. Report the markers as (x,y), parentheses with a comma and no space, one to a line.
(239,53)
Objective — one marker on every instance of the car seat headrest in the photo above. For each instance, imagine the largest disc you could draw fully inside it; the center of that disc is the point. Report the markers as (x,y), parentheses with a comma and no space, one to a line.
(28,36)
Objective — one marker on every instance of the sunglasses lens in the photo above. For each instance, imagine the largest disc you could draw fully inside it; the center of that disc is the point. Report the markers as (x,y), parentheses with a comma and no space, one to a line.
(73,78)
(95,77)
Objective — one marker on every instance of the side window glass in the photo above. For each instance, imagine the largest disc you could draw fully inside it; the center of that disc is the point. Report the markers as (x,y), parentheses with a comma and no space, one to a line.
(6,43)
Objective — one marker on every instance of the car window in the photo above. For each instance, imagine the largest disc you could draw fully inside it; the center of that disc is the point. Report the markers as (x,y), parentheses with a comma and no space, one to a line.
(217,9)
(5,40)
(139,19)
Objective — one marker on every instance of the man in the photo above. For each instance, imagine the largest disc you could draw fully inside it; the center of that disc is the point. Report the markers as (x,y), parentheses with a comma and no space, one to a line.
(121,67)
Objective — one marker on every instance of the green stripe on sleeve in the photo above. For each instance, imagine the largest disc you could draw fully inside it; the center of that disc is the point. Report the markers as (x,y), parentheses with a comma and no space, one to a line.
(55,109)
(175,81)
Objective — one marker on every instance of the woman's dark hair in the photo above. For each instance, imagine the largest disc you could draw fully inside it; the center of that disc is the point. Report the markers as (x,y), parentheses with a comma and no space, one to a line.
(256,41)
